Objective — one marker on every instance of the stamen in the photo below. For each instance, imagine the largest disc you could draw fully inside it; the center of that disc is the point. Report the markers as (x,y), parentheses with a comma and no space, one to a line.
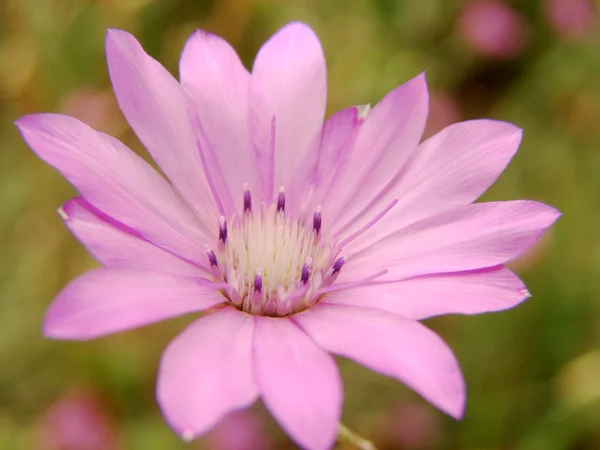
(222,229)
(317,218)
(368,225)
(212,258)
(306,271)
(247,200)
(258,284)
(337,265)
(273,263)
(281,200)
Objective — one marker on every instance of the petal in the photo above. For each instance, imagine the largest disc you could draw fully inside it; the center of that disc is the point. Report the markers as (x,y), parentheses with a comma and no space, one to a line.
(474,292)
(329,152)
(214,78)
(452,168)
(288,94)
(154,105)
(387,138)
(391,345)
(458,164)
(467,237)
(206,372)
(116,246)
(106,301)
(298,381)
(116,181)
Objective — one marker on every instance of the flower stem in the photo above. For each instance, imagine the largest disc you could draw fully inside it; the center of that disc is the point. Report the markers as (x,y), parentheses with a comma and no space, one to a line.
(348,436)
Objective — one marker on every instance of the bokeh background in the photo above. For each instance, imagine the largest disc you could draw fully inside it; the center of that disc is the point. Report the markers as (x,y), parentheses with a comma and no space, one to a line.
(533,373)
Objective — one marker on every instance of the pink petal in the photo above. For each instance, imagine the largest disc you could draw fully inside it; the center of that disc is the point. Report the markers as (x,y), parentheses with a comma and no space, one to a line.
(328,153)
(155,107)
(217,82)
(464,238)
(116,181)
(474,292)
(116,246)
(288,94)
(391,345)
(106,301)
(388,136)
(298,381)
(452,168)
(206,372)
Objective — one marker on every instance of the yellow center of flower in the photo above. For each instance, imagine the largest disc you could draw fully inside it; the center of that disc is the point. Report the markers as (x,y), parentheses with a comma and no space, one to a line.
(270,263)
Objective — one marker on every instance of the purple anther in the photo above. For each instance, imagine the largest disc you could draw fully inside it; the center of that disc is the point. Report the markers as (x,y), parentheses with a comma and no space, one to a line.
(305,274)
(337,265)
(247,201)
(281,201)
(317,222)
(258,283)
(222,229)
(212,258)
(306,271)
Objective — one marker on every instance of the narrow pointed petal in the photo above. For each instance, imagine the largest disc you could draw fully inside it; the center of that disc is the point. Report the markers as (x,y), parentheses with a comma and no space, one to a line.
(419,298)
(327,156)
(155,106)
(288,89)
(387,138)
(394,346)
(117,246)
(116,181)
(452,168)
(206,372)
(214,78)
(464,238)
(105,301)
(458,164)
(298,381)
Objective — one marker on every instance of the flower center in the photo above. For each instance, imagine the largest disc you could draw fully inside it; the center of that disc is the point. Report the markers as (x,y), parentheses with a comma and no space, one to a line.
(270,263)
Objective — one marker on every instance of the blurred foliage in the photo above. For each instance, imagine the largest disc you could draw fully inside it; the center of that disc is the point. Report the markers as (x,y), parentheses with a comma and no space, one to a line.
(533,373)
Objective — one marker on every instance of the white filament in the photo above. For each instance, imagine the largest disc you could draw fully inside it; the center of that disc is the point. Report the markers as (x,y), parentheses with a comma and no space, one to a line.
(274,247)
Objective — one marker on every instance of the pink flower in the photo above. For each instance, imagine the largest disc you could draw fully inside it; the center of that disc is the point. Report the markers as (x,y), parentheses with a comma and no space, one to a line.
(414,425)
(304,239)
(96,108)
(444,110)
(77,422)
(492,28)
(571,18)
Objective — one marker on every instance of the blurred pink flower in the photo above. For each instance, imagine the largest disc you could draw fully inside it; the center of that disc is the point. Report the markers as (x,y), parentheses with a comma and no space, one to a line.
(444,110)
(492,28)
(76,422)
(414,425)
(571,18)
(98,109)
(306,239)
(240,430)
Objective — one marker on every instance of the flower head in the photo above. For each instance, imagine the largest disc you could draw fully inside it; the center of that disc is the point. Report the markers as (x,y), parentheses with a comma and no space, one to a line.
(303,238)
(575,19)
(492,28)
(75,421)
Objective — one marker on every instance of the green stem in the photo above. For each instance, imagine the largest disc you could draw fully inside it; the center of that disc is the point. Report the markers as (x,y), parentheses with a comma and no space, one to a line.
(348,436)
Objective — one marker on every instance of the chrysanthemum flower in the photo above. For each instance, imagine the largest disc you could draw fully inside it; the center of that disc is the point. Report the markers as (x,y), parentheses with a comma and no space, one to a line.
(303,238)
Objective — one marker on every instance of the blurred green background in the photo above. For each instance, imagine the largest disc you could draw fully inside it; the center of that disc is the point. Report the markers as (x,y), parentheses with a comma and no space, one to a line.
(533,373)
